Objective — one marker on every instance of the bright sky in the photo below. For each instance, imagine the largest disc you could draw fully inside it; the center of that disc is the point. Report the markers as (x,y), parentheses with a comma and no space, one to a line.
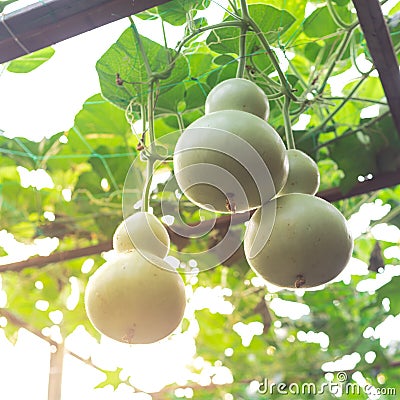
(46,101)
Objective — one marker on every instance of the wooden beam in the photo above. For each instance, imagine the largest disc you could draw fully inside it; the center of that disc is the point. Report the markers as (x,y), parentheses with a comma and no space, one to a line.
(50,21)
(382,181)
(380,46)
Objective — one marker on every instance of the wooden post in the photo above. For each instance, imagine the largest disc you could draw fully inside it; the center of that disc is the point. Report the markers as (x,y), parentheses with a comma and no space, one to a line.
(55,375)
(380,46)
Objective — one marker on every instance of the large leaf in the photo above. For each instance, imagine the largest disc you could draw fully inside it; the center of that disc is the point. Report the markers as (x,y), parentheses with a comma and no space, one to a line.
(294,7)
(91,129)
(30,154)
(272,21)
(125,59)
(319,24)
(370,89)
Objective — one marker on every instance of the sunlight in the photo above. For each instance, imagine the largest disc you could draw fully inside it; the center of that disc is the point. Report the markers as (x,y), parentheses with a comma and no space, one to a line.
(290,309)
(345,363)
(18,251)
(38,179)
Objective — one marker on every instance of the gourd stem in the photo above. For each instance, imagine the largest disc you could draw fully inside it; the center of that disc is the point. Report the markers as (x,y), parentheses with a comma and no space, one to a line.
(151,159)
(150,120)
(290,143)
(242,52)
(146,192)
(274,59)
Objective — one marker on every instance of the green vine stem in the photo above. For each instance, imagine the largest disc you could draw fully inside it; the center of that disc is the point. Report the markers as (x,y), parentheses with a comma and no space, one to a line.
(150,115)
(338,108)
(149,178)
(303,83)
(224,24)
(366,125)
(285,84)
(181,124)
(242,52)
(287,89)
(165,39)
(290,143)
(337,57)
(269,80)
(152,157)
(233,5)
(150,150)
(336,17)
(361,99)
(242,42)
(354,55)
(393,213)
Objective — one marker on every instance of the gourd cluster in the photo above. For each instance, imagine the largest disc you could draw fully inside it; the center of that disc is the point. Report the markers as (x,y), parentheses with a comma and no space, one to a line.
(230,160)
(137,297)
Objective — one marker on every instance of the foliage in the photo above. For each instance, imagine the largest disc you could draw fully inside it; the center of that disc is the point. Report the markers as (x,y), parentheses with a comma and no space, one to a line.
(31,61)
(89,163)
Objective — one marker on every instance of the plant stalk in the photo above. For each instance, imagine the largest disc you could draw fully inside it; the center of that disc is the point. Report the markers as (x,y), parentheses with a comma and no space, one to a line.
(242,52)
(336,17)
(274,59)
(339,55)
(290,143)
(338,108)
(353,131)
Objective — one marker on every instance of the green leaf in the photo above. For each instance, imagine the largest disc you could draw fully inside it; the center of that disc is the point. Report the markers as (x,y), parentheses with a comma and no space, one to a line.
(220,74)
(31,61)
(272,21)
(341,3)
(112,378)
(98,123)
(294,7)
(124,58)
(370,89)
(175,11)
(27,153)
(343,152)
(391,291)
(5,3)
(223,59)
(319,23)
(394,28)
(199,64)
(316,51)
(97,130)
(395,9)
(11,332)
